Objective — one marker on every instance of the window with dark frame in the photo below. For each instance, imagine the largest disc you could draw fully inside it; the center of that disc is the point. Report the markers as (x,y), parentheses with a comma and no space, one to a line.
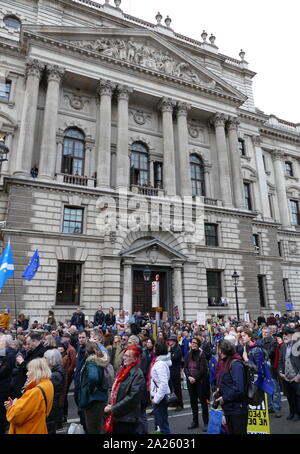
(73,152)
(295,212)
(262,290)
(247,194)
(256,242)
(197,176)
(242,147)
(139,165)
(214,287)
(280,250)
(68,283)
(286,289)
(158,175)
(289,169)
(271,206)
(5,89)
(211,235)
(73,220)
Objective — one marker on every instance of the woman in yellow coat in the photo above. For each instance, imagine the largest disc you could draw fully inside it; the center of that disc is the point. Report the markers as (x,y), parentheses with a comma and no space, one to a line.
(28,414)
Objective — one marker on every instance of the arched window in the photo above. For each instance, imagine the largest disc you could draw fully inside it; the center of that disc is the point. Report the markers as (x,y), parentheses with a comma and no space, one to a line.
(73,152)
(197,175)
(12,22)
(139,164)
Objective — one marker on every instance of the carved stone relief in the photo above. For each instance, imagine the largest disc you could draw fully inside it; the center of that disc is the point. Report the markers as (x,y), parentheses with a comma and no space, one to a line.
(144,54)
(76,102)
(293,247)
(140,118)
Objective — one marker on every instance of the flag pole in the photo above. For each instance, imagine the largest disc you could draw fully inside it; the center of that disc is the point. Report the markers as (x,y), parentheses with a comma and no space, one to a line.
(14,286)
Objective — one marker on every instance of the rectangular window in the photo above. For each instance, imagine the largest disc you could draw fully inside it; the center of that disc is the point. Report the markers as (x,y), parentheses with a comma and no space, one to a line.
(73,220)
(280,251)
(214,287)
(289,169)
(256,243)
(242,147)
(262,290)
(264,161)
(286,290)
(271,206)
(68,283)
(247,193)
(295,212)
(211,235)
(158,175)
(5,89)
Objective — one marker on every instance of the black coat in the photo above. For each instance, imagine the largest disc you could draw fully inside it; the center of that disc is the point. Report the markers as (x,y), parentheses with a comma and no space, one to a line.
(176,355)
(202,365)
(58,381)
(269,344)
(110,320)
(21,376)
(128,406)
(78,319)
(99,318)
(7,364)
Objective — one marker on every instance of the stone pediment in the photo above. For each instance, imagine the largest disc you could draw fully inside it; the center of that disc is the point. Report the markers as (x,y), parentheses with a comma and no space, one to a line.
(140,49)
(154,251)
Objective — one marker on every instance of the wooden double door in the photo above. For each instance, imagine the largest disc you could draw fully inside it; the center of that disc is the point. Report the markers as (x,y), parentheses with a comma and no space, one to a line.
(142,291)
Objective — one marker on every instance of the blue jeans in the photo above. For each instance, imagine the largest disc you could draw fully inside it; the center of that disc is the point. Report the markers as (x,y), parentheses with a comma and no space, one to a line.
(161,416)
(274,401)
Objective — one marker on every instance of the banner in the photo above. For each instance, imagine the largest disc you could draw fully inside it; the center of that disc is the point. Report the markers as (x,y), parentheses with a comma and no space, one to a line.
(258,419)
(155,294)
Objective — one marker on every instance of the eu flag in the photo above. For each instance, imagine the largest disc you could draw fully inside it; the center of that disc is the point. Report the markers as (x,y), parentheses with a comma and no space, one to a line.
(212,370)
(264,380)
(32,267)
(7,268)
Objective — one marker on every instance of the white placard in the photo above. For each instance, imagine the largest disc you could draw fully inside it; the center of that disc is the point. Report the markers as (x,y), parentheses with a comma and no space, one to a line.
(155,294)
(201,318)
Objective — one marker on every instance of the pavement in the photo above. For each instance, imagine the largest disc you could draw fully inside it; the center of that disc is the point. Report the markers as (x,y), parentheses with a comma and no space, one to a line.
(179,421)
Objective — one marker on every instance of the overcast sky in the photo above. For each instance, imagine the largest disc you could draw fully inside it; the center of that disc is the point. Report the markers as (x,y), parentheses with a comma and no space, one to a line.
(268,31)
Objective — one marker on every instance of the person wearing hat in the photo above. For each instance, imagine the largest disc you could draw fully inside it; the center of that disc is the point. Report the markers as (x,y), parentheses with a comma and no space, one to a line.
(289,371)
(175,370)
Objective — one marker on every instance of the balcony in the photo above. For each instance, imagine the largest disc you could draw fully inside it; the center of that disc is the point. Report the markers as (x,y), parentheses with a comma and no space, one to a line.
(147,190)
(218,302)
(213,202)
(76,180)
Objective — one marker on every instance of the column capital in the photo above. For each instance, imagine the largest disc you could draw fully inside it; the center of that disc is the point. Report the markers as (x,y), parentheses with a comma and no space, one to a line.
(182,108)
(166,105)
(123,92)
(55,72)
(233,123)
(257,140)
(34,67)
(277,155)
(105,87)
(219,119)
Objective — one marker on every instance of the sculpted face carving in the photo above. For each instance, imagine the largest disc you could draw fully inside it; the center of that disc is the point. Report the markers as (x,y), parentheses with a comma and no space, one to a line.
(144,54)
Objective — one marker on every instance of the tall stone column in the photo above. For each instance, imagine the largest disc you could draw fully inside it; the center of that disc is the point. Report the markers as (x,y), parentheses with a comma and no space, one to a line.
(123,164)
(236,170)
(177,288)
(105,90)
(127,286)
(166,105)
(219,123)
(48,147)
(183,151)
(262,181)
(284,211)
(24,154)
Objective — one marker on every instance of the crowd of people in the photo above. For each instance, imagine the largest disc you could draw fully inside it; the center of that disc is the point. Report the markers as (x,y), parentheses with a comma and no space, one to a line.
(121,366)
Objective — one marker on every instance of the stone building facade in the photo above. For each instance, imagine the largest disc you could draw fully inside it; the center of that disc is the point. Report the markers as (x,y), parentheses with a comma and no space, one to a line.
(118,130)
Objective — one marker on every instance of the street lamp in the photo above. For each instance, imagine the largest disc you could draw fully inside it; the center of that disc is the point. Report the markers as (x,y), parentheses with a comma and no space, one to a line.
(147,274)
(235,279)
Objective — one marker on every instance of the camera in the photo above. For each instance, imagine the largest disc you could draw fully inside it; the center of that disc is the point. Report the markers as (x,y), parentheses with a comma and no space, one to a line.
(216,404)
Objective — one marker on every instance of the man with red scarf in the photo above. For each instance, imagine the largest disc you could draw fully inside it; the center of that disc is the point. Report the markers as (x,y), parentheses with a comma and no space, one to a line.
(124,405)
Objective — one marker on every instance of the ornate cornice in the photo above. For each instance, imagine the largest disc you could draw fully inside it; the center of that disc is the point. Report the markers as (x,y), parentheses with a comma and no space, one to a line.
(55,73)
(166,105)
(34,67)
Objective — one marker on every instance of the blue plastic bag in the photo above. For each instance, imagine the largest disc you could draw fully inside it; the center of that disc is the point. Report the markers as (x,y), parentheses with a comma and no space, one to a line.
(215,422)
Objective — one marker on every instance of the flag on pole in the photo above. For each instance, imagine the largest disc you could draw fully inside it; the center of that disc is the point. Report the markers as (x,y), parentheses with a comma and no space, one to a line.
(7,268)
(32,267)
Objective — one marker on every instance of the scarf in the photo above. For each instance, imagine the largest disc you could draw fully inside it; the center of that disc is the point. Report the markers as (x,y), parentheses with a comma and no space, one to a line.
(122,374)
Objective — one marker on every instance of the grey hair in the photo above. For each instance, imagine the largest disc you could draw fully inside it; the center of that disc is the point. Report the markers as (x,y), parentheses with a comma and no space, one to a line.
(8,339)
(134,339)
(266,328)
(53,357)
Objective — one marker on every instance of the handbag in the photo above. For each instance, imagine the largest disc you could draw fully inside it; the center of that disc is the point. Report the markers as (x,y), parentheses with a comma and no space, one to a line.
(171,399)
(215,422)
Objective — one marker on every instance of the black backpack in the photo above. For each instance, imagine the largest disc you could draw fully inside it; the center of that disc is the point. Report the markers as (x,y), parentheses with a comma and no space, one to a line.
(254,395)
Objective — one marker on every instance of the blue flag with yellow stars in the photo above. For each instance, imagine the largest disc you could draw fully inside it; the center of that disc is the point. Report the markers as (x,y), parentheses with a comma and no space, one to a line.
(264,380)
(212,370)
(32,267)
(7,268)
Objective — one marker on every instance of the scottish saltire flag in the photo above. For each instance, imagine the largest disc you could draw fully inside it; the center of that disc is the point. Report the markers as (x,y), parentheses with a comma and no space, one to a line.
(32,267)
(264,380)
(7,268)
